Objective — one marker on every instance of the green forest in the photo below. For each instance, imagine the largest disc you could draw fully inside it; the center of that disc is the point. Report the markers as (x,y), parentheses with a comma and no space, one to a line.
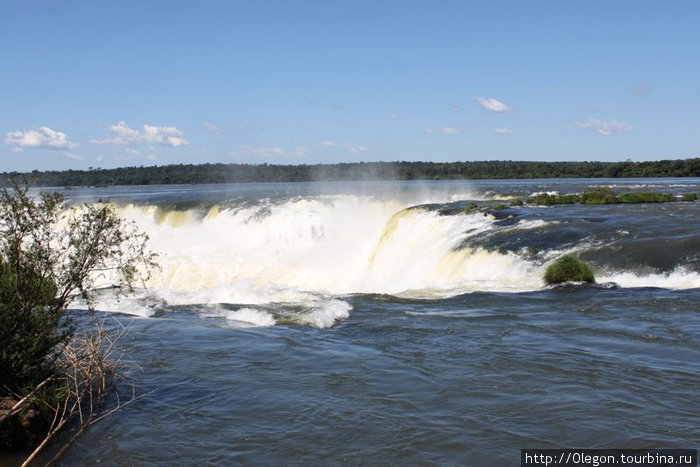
(238,173)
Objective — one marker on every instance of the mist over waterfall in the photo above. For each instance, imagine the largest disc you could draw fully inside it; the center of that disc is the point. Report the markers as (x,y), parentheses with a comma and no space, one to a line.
(414,313)
(251,247)
(336,245)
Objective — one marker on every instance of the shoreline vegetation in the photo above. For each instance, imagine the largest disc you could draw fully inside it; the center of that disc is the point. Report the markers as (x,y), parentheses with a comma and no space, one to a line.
(355,171)
(57,371)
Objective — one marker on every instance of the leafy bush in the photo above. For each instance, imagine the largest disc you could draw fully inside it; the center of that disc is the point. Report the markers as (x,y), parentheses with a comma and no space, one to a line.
(49,256)
(568,268)
(31,331)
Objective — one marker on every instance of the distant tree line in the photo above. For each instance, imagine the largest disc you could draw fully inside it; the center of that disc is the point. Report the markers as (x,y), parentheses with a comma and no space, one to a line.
(230,173)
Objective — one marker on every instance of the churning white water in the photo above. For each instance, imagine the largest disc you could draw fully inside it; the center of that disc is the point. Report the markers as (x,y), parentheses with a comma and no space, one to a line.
(331,245)
(292,259)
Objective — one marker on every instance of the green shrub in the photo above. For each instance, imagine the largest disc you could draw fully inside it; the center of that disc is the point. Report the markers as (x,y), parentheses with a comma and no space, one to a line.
(49,258)
(645,197)
(31,330)
(568,268)
(569,199)
(689,197)
(545,199)
(600,195)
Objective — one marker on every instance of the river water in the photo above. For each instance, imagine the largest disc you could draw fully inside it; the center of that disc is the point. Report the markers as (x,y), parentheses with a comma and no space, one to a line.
(385,323)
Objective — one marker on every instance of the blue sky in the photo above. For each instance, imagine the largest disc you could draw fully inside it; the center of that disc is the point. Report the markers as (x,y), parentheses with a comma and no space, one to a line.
(108,84)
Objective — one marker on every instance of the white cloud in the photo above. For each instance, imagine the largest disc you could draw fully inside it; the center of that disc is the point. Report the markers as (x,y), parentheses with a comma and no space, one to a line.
(70,155)
(133,154)
(271,152)
(121,134)
(394,116)
(41,138)
(161,135)
(503,131)
(442,131)
(604,128)
(492,105)
(456,108)
(357,149)
(164,135)
(212,128)
(352,148)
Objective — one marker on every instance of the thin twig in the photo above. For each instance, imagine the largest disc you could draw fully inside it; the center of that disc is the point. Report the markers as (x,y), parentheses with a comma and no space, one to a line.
(90,364)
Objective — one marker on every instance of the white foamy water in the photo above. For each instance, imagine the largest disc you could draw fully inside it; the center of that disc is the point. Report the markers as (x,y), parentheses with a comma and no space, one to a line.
(308,250)
(680,278)
(140,304)
(325,313)
(319,312)
(533,224)
(336,245)
(251,317)
(550,193)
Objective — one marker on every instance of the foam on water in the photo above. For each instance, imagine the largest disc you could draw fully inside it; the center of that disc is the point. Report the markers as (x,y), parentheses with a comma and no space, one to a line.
(338,245)
(679,278)
(320,312)
(139,304)
(304,250)
(251,317)
(550,193)
(324,314)
(533,224)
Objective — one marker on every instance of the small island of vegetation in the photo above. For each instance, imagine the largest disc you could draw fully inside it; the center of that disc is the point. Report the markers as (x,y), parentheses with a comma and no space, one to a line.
(568,268)
(606,195)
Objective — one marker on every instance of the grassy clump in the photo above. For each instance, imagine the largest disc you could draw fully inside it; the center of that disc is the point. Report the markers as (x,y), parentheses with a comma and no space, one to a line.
(645,197)
(568,268)
(545,199)
(569,199)
(689,197)
(600,195)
